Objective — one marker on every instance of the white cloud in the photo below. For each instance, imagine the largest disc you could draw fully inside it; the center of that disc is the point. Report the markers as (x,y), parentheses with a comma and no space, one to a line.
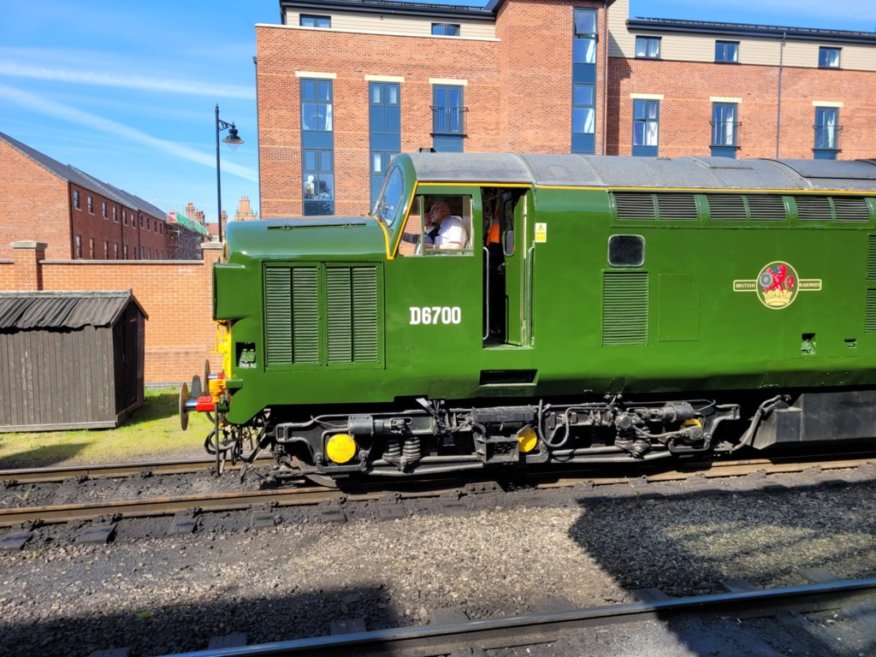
(143,83)
(49,107)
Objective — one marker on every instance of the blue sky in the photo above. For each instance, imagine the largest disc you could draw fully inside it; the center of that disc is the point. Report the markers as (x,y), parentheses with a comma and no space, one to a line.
(126,91)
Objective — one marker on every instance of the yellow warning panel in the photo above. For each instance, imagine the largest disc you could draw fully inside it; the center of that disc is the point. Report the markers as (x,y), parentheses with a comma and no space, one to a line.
(540,232)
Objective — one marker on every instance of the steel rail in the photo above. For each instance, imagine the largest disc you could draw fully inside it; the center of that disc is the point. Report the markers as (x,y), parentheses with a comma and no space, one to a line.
(707,469)
(110,470)
(511,631)
(237,500)
(160,506)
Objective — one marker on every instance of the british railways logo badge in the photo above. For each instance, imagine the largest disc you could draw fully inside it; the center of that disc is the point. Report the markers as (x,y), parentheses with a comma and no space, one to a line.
(777,285)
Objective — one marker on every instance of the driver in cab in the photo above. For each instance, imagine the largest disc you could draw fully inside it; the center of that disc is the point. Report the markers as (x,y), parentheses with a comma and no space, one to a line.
(443,230)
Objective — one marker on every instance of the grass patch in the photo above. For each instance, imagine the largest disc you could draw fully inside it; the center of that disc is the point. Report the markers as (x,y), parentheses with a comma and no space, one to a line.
(152,432)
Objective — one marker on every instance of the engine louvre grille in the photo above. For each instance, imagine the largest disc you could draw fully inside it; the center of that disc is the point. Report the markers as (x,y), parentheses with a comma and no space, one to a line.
(726,206)
(292,315)
(766,206)
(351,302)
(635,205)
(870,312)
(625,308)
(851,208)
(323,315)
(814,207)
(871,257)
(677,206)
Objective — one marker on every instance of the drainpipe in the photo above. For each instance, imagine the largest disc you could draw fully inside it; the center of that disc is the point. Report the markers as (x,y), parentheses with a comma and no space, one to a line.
(779,95)
(606,37)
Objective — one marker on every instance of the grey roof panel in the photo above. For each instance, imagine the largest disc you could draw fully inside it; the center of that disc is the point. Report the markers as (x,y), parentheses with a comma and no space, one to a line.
(450,167)
(644,172)
(61,310)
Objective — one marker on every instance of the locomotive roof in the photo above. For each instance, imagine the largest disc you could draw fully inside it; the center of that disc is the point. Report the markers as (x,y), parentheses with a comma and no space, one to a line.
(641,172)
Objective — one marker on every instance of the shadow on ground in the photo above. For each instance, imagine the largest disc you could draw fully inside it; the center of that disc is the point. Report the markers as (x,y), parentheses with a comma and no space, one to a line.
(177,628)
(156,407)
(684,544)
(45,455)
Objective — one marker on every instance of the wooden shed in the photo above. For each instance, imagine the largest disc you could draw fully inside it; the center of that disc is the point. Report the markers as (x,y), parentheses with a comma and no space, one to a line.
(70,360)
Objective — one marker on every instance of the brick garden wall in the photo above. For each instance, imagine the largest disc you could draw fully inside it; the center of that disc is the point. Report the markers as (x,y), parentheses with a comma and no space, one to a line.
(176,295)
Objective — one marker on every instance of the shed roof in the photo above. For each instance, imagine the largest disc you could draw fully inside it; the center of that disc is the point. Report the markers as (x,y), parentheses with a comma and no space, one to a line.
(70,310)
(665,173)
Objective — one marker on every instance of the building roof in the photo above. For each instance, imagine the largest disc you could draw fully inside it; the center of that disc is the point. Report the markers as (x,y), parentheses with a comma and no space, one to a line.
(392,7)
(750,30)
(665,173)
(401,8)
(76,176)
(62,310)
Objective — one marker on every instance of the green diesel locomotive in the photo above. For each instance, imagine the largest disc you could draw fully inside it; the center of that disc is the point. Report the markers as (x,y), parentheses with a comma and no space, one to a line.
(501,310)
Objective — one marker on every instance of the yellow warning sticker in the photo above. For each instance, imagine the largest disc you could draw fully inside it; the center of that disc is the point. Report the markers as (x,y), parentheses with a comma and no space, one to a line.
(540,232)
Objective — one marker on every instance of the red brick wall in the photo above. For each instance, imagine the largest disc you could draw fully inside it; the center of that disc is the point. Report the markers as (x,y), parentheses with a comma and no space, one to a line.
(176,296)
(535,67)
(282,51)
(7,275)
(33,204)
(686,112)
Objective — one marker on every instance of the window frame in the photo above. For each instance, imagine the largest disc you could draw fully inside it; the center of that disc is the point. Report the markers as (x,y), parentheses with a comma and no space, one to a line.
(446,29)
(316,19)
(824,62)
(579,107)
(718,126)
(446,127)
(645,121)
(819,150)
(317,102)
(649,40)
(721,48)
(584,42)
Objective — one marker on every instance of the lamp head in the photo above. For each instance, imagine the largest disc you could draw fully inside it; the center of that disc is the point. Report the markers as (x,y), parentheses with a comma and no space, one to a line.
(233,139)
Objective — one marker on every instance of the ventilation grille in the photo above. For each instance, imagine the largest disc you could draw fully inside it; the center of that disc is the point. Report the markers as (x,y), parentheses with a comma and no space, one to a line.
(299,312)
(677,206)
(726,206)
(870,313)
(851,208)
(766,207)
(871,258)
(814,207)
(292,315)
(625,308)
(634,205)
(351,296)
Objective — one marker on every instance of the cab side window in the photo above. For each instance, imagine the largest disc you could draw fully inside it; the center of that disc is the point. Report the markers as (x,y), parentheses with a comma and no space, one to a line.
(438,225)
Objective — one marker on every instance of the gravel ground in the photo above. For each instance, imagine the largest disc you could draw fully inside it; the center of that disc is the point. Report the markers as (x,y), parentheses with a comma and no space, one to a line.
(501,554)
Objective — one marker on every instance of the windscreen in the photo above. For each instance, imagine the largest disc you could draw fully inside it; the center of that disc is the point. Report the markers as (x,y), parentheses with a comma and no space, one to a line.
(390,204)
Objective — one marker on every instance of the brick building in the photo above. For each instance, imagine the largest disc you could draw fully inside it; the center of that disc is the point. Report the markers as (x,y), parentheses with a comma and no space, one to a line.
(80,217)
(345,84)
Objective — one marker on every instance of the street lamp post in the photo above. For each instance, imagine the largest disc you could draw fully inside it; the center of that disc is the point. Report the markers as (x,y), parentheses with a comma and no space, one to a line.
(232,140)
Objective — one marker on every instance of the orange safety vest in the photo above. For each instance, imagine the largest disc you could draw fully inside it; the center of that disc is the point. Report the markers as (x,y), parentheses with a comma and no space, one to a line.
(494,234)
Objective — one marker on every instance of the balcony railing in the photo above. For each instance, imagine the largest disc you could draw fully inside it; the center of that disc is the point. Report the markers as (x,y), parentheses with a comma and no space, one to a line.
(448,120)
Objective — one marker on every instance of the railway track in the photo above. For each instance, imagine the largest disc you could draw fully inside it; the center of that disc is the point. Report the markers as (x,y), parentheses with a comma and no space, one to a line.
(519,631)
(311,495)
(108,470)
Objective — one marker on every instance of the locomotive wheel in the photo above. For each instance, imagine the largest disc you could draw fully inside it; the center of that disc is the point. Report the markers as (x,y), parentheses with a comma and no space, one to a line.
(183,411)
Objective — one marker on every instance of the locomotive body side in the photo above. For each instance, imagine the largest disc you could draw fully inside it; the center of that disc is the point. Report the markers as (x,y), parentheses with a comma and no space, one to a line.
(540,340)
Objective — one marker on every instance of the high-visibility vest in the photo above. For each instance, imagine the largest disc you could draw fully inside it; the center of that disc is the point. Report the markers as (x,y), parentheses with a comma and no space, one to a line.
(494,235)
